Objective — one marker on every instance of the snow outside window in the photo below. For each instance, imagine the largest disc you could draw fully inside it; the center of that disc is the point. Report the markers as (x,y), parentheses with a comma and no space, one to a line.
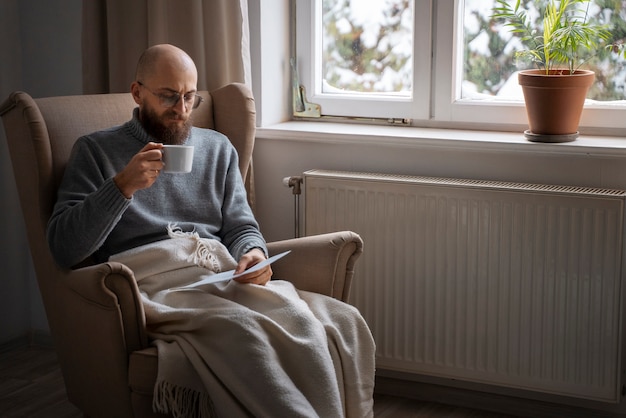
(439,61)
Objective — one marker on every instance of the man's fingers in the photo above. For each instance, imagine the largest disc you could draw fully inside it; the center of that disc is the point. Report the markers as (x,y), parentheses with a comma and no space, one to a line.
(257,277)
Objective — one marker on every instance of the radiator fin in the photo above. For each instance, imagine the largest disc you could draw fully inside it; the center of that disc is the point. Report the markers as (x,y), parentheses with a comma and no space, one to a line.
(508,284)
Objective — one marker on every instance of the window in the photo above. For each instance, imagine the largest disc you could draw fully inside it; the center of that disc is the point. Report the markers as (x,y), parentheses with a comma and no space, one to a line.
(366,58)
(440,62)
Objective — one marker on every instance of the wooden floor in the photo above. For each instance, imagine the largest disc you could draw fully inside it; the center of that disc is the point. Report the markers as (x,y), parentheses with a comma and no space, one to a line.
(394,407)
(31,386)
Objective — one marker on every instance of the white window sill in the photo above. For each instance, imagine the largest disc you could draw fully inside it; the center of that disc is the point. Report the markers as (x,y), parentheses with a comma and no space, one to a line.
(333,132)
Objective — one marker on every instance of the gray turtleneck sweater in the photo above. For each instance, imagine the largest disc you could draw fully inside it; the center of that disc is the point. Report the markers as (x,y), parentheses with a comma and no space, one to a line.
(93,218)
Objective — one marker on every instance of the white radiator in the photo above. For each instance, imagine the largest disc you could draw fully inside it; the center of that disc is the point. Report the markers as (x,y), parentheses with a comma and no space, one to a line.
(514,285)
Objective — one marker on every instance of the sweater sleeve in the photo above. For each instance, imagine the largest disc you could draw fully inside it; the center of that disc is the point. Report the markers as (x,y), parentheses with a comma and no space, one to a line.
(88,207)
(240,230)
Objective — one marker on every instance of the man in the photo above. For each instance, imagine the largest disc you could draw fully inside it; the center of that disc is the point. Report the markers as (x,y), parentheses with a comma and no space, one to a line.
(226,348)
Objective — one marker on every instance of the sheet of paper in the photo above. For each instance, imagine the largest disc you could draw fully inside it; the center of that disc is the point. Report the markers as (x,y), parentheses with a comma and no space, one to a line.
(230,274)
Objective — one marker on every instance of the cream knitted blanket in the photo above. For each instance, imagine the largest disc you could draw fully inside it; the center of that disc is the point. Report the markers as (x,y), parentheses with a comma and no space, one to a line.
(230,349)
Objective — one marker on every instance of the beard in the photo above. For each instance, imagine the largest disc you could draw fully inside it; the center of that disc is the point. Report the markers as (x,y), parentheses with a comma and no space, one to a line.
(170,135)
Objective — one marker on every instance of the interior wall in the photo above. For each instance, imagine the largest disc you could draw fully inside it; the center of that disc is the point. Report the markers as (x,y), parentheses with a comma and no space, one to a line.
(269,47)
(40,53)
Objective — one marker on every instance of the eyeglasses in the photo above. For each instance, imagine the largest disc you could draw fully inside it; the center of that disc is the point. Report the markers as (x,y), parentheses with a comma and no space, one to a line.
(192,100)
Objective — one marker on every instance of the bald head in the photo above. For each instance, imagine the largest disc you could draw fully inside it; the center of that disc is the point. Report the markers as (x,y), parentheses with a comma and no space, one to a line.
(163,58)
(165,90)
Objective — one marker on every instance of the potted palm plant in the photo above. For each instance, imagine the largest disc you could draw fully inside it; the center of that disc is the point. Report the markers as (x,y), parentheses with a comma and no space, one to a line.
(555,91)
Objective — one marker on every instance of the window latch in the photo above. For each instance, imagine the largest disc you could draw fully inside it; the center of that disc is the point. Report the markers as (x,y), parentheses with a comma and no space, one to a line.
(302,107)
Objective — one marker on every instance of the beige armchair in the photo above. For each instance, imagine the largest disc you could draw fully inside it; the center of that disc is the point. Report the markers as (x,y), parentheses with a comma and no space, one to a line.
(95,312)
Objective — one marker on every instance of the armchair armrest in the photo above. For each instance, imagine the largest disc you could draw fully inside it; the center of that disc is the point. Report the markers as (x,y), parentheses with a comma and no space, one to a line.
(109,286)
(99,321)
(319,263)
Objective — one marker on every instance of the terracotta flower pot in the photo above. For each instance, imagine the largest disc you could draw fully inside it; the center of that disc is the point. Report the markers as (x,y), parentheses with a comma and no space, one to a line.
(554,103)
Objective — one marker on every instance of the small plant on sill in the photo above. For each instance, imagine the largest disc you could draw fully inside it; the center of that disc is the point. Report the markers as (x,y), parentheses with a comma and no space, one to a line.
(563,34)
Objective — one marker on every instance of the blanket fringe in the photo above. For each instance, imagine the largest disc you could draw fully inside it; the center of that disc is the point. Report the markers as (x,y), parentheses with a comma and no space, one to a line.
(182,402)
(203,255)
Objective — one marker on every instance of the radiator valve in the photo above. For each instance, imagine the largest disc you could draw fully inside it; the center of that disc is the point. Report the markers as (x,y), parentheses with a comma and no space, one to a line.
(294,182)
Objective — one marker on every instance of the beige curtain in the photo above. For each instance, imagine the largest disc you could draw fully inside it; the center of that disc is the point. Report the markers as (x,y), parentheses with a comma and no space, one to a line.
(115,32)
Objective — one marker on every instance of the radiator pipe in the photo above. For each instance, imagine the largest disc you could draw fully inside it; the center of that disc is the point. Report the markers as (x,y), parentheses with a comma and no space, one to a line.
(295,182)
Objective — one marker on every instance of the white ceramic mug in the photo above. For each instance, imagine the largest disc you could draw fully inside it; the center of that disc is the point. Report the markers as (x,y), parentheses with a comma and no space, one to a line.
(177,158)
